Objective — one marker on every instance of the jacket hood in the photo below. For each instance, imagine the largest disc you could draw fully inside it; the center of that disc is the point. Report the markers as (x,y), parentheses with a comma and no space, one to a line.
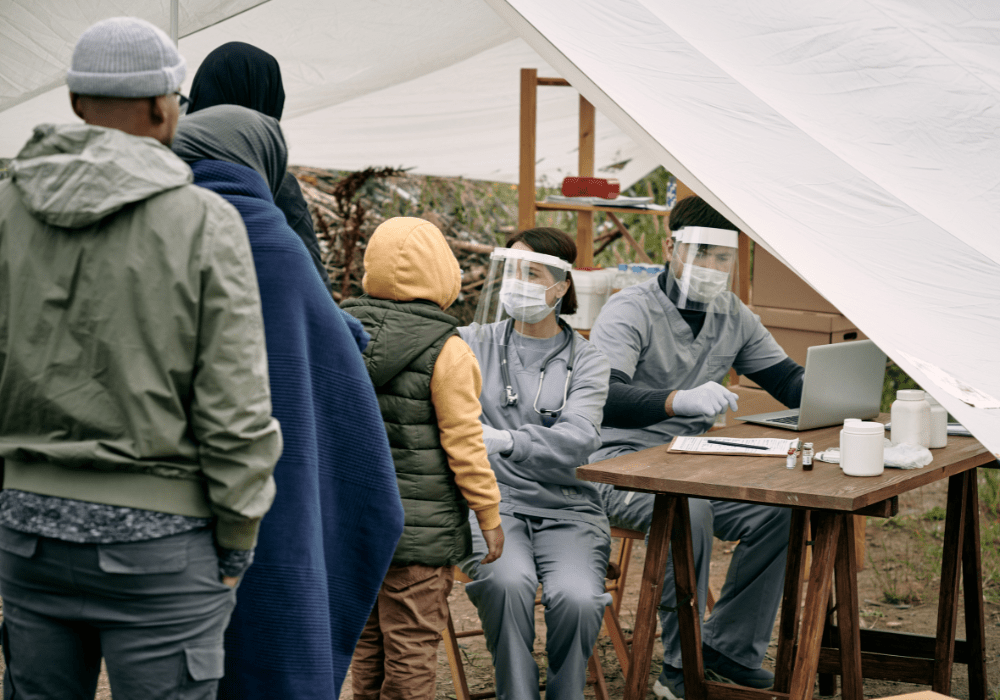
(409,259)
(74,175)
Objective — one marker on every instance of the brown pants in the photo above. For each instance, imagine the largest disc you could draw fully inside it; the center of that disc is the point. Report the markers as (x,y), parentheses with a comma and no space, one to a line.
(396,657)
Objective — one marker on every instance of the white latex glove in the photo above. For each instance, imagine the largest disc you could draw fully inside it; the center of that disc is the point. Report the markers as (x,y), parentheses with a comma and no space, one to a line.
(497,440)
(709,399)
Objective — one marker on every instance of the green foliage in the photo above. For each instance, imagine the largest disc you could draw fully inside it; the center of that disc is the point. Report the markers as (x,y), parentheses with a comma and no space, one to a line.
(989,532)
(895,379)
(935,513)
(904,571)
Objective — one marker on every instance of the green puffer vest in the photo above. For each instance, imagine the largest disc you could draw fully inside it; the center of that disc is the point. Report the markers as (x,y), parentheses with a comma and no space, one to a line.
(407,338)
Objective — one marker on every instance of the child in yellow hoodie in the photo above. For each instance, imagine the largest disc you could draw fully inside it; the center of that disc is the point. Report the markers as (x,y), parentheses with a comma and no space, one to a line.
(428,382)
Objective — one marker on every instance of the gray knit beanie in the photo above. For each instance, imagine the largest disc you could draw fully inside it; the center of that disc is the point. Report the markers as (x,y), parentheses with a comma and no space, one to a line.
(125,57)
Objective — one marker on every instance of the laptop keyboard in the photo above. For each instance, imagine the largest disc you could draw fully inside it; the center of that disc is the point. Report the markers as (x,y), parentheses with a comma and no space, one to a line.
(785,420)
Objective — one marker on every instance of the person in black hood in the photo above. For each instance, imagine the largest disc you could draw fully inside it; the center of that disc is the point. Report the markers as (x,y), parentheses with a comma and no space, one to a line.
(240,74)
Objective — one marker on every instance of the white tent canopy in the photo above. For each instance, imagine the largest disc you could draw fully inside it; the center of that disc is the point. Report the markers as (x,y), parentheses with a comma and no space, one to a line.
(856,139)
(431,85)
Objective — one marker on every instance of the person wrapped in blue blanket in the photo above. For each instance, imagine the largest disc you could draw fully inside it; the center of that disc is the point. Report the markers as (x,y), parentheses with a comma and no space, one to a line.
(329,537)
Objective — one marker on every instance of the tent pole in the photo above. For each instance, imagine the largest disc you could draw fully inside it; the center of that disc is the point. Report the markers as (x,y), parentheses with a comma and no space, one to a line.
(173,20)
(526,180)
(585,219)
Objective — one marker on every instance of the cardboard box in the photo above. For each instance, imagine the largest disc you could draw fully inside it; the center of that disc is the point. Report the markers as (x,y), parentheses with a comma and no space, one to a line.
(797,331)
(752,401)
(774,285)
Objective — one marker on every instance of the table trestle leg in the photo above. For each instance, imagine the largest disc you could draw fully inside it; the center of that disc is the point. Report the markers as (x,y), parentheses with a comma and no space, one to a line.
(954,532)
(637,680)
(972,579)
(688,619)
(846,567)
(791,602)
(827,535)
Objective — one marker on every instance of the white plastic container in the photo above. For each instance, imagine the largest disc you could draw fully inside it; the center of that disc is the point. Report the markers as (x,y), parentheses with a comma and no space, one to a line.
(939,423)
(619,278)
(862,448)
(592,290)
(911,418)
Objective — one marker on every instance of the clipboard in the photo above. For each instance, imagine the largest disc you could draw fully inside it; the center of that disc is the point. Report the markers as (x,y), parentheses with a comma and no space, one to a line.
(775,447)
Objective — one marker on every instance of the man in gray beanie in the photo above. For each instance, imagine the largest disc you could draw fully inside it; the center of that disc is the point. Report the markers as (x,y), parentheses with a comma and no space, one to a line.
(136,432)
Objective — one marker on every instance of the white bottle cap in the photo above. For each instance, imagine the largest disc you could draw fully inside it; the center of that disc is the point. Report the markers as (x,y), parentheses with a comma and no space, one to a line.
(862,427)
(910,395)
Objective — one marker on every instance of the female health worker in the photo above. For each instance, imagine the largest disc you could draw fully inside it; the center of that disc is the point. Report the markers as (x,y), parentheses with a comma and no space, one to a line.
(544,389)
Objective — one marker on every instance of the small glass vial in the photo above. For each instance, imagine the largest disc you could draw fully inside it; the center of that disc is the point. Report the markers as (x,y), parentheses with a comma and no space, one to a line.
(807,457)
(793,451)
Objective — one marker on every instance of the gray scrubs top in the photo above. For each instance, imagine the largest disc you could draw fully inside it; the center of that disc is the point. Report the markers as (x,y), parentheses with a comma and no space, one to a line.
(539,477)
(644,335)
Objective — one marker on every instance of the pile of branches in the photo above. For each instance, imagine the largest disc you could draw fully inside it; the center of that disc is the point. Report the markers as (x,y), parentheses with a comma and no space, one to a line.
(348,207)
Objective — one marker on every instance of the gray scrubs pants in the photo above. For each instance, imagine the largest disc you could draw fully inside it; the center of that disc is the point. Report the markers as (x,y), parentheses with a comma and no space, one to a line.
(155,610)
(743,617)
(570,559)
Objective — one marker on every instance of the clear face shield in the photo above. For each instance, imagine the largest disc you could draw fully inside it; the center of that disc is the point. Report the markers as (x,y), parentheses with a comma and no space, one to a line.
(703,270)
(519,302)
(522,285)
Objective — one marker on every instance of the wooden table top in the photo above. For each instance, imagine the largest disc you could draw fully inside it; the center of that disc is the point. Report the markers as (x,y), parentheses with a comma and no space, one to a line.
(766,480)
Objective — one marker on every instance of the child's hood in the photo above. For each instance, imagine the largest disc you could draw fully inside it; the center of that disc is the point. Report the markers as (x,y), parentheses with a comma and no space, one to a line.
(408,259)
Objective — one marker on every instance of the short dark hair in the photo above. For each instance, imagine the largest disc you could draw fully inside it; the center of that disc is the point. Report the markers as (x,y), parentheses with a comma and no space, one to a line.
(555,242)
(695,211)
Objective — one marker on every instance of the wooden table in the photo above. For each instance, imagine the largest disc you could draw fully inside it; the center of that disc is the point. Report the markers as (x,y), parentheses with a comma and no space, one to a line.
(824,501)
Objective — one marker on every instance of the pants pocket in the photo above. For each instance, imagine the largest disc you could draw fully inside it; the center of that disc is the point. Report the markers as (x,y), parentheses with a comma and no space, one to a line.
(204,667)
(18,543)
(205,663)
(167,555)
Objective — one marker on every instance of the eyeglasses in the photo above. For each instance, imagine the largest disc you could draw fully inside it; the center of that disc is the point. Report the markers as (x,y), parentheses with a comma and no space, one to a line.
(178,95)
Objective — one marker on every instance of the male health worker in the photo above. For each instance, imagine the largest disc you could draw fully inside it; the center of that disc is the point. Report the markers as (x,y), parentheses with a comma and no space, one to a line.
(671,341)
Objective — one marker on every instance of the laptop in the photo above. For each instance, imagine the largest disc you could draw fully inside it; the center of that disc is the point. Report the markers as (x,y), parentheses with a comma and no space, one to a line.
(842,380)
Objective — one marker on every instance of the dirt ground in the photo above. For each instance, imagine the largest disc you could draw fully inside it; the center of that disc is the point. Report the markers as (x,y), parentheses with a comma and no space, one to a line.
(898,562)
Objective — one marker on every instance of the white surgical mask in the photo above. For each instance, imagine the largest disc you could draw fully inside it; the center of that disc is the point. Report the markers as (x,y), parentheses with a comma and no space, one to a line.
(524,301)
(702,284)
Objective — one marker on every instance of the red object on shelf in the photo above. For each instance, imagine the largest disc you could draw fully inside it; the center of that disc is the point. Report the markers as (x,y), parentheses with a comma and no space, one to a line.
(606,188)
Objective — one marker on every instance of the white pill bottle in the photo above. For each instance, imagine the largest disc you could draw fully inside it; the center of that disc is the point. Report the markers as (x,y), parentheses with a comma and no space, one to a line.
(911,418)
(862,446)
(939,423)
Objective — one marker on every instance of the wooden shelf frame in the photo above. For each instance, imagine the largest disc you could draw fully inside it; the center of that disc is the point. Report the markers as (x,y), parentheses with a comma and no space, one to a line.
(527,206)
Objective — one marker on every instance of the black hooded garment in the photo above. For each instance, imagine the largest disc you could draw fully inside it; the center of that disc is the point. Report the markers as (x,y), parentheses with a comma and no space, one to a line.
(240,74)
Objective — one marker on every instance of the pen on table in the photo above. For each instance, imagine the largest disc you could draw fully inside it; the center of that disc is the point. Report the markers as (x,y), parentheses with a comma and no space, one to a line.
(737,444)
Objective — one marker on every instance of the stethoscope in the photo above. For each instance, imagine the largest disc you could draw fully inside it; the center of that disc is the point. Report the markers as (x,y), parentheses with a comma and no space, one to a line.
(510,398)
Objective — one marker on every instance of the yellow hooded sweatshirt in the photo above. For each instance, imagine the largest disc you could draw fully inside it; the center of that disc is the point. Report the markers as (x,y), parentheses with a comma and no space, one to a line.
(409,259)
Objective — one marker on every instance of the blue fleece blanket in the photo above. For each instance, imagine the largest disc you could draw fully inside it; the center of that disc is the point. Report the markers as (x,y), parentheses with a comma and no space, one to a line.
(327,541)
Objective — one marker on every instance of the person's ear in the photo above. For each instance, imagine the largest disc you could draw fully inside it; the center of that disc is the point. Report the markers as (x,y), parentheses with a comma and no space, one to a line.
(74,101)
(668,250)
(562,288)
(157,113)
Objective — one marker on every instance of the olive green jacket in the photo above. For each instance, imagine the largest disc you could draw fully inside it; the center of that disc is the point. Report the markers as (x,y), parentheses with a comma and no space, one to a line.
(132,363)
(407,338)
